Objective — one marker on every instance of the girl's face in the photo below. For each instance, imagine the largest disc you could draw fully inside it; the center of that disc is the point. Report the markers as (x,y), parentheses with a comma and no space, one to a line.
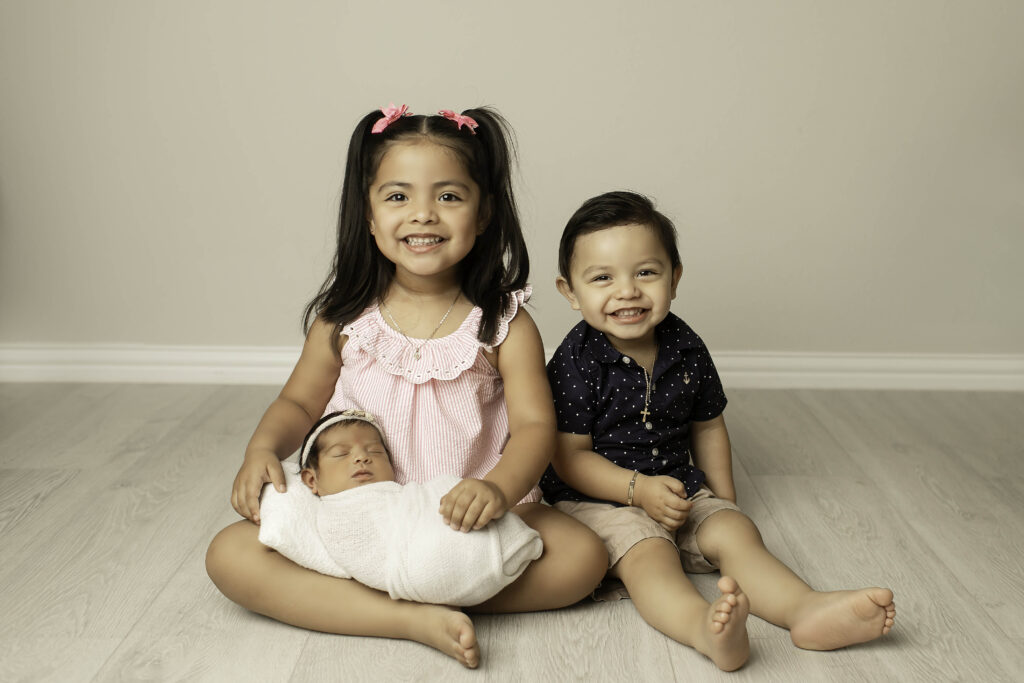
(424,210)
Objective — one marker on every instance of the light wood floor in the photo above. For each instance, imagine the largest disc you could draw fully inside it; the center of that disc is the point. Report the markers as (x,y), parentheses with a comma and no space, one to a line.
(109,495)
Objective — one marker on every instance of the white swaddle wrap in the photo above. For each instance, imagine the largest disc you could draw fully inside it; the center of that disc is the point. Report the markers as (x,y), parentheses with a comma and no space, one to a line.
(392,538)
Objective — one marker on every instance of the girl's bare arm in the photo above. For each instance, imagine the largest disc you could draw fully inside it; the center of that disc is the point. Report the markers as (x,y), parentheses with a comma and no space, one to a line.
(286,421)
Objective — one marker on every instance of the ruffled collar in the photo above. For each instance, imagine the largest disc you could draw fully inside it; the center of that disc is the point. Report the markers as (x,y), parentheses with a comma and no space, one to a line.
(442,358)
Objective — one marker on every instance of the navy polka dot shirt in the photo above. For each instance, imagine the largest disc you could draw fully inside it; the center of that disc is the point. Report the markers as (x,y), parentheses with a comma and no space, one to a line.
(600,392)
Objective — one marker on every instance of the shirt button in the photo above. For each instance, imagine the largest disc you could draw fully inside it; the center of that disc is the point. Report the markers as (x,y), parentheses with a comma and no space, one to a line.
(655,451)
(648,425)
(626,360)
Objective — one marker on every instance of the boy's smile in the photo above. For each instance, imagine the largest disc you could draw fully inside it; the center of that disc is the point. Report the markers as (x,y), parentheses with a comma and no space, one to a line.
(622,281)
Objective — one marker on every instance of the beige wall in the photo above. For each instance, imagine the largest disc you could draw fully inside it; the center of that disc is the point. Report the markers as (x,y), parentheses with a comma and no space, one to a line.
(846,177)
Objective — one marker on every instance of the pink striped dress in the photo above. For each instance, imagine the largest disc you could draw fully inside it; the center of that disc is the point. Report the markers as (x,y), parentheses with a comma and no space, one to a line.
(443,413)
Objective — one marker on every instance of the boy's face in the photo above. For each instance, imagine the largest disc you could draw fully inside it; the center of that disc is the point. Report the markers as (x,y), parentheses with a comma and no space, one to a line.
(351,454)
(621,279)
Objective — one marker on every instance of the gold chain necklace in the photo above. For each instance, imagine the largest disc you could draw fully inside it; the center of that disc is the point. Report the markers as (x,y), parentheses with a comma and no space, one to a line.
(645,413)
(416,349)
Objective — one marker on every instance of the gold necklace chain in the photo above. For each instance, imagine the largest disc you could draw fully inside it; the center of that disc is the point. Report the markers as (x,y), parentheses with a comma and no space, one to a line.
(645,413)
(416,349)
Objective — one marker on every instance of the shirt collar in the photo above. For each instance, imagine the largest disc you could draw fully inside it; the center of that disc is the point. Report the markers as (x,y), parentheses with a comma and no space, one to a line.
(674,337)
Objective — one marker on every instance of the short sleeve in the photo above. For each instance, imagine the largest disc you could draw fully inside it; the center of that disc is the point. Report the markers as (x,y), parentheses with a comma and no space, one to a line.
(710,399)
(573,390)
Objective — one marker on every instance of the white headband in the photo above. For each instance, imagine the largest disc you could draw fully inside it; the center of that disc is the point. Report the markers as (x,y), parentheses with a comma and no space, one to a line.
(328,421)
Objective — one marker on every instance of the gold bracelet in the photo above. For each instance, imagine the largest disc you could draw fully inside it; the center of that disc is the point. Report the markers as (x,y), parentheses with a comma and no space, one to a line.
(632,483)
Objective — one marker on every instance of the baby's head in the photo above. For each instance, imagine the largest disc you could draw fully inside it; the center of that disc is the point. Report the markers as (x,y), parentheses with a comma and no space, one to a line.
(619,266)
(344,450)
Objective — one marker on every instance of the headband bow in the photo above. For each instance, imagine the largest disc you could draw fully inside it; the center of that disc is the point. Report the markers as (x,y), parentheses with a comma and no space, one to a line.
(391,114)
(460,120)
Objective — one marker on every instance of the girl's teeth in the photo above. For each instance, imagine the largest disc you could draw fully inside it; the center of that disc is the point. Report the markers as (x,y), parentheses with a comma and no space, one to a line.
(422,241)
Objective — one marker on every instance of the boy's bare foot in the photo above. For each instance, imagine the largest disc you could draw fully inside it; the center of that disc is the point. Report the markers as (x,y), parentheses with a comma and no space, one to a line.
(726,641)
(450,631)
(827,621)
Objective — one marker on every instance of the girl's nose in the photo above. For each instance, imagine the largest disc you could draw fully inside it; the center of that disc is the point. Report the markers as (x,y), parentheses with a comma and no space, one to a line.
(424,213)
(362,456)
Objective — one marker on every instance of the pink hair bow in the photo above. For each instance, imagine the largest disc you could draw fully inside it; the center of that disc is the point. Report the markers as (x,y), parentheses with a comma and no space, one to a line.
(460,120)
(391,114)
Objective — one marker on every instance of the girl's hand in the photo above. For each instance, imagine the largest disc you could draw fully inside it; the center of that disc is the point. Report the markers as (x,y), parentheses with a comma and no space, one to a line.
(471,504)
(259,467)
(664,499)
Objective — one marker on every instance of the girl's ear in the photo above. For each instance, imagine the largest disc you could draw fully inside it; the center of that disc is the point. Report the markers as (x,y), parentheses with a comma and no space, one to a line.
(677,273)
(309,479)
(483,217)
(566,290)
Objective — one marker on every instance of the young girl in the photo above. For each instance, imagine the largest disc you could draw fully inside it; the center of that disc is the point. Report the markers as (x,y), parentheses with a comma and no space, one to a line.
(420,323)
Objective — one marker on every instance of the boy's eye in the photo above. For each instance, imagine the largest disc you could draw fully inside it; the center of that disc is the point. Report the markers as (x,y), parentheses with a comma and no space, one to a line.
(600,278)
(647,273)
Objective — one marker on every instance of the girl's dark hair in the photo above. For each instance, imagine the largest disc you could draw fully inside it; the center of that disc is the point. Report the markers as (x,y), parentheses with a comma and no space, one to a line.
(610,210)
(497,264)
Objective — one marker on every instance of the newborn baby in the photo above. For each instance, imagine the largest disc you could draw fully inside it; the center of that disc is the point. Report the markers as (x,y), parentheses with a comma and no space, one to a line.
(351,519)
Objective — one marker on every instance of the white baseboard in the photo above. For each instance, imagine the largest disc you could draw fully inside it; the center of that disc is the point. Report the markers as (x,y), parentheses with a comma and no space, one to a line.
(739,370)
(145,364)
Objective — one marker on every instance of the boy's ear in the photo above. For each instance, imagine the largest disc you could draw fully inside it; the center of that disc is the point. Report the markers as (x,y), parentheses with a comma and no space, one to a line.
(309,479)
(677,273)
(566,290)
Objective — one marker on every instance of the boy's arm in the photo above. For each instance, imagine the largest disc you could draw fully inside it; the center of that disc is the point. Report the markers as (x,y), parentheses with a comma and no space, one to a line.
(591,474)
(663,498)
(712,453)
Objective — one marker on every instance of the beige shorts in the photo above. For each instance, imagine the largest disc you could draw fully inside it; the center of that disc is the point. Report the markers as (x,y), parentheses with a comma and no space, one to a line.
(623,527)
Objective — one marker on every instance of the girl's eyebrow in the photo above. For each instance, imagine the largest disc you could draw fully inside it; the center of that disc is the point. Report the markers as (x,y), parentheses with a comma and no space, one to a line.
(441,183)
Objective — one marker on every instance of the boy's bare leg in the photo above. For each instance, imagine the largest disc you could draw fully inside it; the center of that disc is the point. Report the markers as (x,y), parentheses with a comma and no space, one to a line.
(573,563)
(816,620)
(266,582)
(667,600)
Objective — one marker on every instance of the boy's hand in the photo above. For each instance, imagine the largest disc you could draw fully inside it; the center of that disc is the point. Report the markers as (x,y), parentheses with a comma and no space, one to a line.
(258,468)
(471,504)
(664,499)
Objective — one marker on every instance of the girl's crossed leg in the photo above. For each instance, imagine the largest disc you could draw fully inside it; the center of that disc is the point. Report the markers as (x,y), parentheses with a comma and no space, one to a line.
(261,580)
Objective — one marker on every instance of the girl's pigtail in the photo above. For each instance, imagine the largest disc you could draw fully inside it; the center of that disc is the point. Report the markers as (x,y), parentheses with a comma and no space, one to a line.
(501,263)
(357,274)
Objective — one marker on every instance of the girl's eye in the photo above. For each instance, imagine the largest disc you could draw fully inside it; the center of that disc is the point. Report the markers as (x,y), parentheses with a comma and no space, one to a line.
(449,197)
(395,197)
(646,273)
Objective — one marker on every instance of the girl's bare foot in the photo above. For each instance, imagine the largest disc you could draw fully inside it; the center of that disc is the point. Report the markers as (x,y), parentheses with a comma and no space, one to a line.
(827,621)
(726,641)
(448,630)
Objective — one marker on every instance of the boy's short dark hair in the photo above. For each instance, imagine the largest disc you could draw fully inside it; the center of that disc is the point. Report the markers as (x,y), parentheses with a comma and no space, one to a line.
(610,210)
